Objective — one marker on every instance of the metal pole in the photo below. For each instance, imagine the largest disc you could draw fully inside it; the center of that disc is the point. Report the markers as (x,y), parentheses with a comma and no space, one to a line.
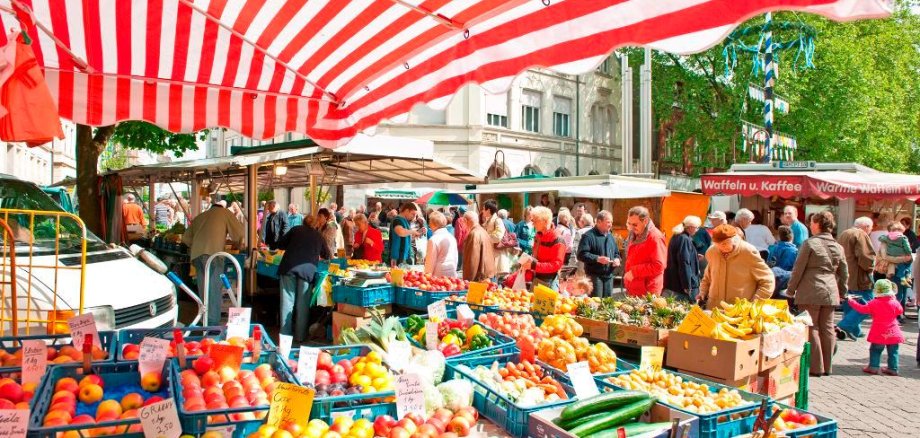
(645,117)
(769,81)
(313,194)
(626,127)
(577,124)
(252,192)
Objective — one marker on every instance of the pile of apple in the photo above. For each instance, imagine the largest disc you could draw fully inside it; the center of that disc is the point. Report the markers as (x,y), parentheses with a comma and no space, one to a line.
(423,281)
(358,375)
(443,424)
(91,391)
(791,419)
(67,353)
(15,396)
(204,388)
(192,348)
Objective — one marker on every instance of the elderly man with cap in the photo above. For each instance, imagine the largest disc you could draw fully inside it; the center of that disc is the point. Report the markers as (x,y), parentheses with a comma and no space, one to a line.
(734,270)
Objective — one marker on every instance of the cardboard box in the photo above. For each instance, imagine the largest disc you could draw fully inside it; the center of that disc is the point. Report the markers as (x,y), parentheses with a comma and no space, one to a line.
(782,346)
(783,380)
(637,336)
(341,321)
(750,383)
(728,360)
(363,312)
(541,422)
(594,329)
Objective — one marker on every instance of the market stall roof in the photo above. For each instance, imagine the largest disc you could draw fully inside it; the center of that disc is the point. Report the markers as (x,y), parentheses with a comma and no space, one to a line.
(331,69)
(850,181)
(365,160)
(591,186)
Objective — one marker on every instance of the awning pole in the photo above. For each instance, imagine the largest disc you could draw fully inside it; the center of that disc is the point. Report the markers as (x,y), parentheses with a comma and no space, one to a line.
(313,195)
(252,198)
(151,200)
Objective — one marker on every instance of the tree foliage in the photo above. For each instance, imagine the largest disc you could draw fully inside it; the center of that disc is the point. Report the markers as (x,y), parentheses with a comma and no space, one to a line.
(146,136)
(860,103)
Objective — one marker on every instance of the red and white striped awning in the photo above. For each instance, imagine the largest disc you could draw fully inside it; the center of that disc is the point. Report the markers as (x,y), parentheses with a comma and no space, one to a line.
(332,68)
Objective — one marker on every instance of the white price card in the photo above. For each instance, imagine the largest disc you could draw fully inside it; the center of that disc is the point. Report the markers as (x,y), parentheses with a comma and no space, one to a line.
(238,319)
(651,358)
(161,420)
(82,325)
(284,345)
(34,360)
(306,365)
(224,431)
(464,313)
(399,354)
(410,397)
(582,381)
(152,355)
(346,414)
(437,310)
(431,335)
(14,423)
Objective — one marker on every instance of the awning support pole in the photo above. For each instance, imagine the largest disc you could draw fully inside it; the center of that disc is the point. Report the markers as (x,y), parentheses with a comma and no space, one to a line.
(252,243)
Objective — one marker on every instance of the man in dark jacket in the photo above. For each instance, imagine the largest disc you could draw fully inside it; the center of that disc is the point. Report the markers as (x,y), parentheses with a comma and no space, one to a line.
(276,225)
(682,274)
(304,247)
(598,251)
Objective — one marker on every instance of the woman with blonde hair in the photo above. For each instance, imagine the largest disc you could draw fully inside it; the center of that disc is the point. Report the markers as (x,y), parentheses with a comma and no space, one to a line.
(566,226)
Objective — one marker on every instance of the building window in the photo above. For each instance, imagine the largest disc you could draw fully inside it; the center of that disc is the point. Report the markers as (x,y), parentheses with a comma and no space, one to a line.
(530,111)
(605,66)
(497,110)
(562,114)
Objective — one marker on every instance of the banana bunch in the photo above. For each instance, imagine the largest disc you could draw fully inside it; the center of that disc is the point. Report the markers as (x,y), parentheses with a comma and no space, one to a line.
(737,321)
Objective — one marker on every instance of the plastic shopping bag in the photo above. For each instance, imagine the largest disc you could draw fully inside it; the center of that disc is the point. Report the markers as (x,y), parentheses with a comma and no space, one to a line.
(520,280)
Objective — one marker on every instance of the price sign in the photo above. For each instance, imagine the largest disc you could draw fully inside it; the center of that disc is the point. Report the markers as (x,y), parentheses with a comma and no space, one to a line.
(306,365)
(544,300)
(399,354)
(34,360)
(152,355)
(226,355)
(160,420)
(477,293)
(582,381)
(290,404)
(284,345)
(238,319)
(437,311)
(224,431)
(410,397)
(464,313)
(697,323)
(431,335)
(346,414)
(651,358)
(14,423)
(396,276)
(82,325)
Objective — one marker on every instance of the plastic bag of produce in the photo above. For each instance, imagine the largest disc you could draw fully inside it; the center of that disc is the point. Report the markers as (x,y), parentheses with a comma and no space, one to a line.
(457,394)
(428,365)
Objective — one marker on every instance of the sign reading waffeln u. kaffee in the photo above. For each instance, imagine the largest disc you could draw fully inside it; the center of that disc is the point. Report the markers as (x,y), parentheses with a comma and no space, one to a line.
(825,185)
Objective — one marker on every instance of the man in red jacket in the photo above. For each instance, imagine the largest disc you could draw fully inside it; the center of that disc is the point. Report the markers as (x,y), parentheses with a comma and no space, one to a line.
(646,255)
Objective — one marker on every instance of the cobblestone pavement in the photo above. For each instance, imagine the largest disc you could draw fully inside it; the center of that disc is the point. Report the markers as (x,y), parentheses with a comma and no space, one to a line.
(871,406)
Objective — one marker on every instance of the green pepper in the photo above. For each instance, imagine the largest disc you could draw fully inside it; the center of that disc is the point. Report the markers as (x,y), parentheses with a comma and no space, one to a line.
(414,324)
(480,341)
(460,334)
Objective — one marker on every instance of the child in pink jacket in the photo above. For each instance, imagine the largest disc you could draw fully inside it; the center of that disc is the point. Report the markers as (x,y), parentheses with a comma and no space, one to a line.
(885,332)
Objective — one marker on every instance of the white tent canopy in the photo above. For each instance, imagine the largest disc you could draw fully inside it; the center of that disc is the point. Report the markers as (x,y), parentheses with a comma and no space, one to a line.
(592,186)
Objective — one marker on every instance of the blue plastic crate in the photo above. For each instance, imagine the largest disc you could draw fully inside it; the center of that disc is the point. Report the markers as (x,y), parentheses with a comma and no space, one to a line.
(364,296)
(826,427)
(197,422)
(723,424)
(120,379)
(13,343)
(501,343)
(196,334)
(496,407)
(477,309)
(417,299)
(267,269)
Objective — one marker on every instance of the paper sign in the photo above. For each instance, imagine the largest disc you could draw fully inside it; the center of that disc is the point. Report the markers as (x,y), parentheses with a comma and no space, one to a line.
(544,300)
(284,345)
(346,414)
(464,313)
(399,354)
(396,276)
(437,311)
(582,381)
(82,325)
(410,397)
(794,338)
(226,355)
(152,355)
(431,335)
(224,431)
(34,360)
(160,420)
(477,292)
(238,322)
(697,323)
(306,365)
(651,358)
(290,404)
(14,423)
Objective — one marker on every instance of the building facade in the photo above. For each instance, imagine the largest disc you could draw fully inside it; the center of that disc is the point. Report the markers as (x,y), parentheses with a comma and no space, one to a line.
(44,164)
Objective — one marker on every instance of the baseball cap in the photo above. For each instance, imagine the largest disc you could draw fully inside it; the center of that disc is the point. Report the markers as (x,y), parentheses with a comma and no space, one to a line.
(717,215)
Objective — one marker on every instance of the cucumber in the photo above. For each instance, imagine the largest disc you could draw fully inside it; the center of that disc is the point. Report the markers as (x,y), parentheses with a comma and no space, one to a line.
(632,429)
(601,403)
(614,419)
(569,424)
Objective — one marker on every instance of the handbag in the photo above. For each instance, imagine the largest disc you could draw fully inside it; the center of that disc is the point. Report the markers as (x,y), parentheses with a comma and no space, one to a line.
(509,240)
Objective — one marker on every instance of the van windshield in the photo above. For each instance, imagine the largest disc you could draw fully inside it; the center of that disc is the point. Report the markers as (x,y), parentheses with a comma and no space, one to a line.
(22,195)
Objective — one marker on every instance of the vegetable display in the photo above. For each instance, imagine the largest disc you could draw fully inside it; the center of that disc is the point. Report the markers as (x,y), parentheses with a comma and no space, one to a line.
(377,334)
(674,390)
(454,336)
(525,384)
(649,311)
(744,318)
(443,423)
(604,414)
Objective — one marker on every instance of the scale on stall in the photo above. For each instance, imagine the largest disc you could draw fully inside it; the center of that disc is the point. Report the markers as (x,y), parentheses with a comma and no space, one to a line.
(367,278)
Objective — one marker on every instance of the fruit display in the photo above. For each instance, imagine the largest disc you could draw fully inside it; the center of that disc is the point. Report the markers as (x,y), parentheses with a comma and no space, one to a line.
(609,412)
(564,346)
(525,384)
(358,375)
(204,388)
(444,423)
(15,396)
(130,351)
(89,400)
(454,336)
(676,391)
(426,282)
(514,325)
(745,318)
(567,305)
(361,263)
(56,356)
(649,311)
(504,299)
(792,419)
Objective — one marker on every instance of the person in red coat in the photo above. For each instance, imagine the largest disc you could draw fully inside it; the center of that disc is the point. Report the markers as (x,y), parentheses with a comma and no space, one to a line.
(646,255)
(368,240)
(548,249)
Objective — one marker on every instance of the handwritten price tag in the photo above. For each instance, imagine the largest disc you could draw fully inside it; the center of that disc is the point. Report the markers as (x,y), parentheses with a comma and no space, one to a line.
(224,431)
(431,335)
(410,397)
(464,313)
(697,323)
(34,360)
(477,292)
(284,345)
(582,381)
(152,355)
(238,319)
(544,300)
(161,420)
(82,325)
(306,365)
(14,423)
(290,404)
(437,311)
(396,276)
(650,358)
(399,354)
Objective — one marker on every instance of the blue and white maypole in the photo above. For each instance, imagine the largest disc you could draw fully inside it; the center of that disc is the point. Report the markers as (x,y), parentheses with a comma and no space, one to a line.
(769,82)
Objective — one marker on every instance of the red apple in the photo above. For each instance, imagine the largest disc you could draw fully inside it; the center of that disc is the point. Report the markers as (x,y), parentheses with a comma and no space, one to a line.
(203,364)
(459,425)
(383,424)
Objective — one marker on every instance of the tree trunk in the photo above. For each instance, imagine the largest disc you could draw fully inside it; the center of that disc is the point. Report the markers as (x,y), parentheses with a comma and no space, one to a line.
(89,147)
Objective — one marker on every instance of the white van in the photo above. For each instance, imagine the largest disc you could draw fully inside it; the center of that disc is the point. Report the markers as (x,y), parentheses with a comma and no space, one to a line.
(119,290)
